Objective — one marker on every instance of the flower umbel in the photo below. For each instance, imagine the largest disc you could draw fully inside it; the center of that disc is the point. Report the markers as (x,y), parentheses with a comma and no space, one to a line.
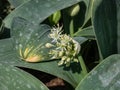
(55,33)
(65,48)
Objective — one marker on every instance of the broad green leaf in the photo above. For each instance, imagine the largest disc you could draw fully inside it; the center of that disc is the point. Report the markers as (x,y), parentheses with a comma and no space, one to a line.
(86,32)
(30,40)
(72,75)
(80,40)
(88,13)
(5,46)
(12,78)
(104,19)
(106,76)
(38,10)
(17,3)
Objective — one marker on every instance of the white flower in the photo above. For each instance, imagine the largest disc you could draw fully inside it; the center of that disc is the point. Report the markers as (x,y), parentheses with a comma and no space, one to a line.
(77,47)
(65,48)
(49,45)
(55,33)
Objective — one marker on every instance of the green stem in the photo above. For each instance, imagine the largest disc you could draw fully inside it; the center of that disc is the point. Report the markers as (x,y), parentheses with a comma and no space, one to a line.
(83,66)
(71,27)
(1,27)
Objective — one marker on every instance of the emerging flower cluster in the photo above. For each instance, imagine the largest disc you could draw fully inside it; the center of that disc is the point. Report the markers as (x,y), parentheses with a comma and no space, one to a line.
(64,47)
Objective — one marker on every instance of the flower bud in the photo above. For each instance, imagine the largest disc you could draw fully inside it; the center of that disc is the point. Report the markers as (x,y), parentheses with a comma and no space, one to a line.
(60,62)
(63,58)
(68,60)
(54,18)
(76,60)
(61,53)
(74,10)
(77,47)
(49,45)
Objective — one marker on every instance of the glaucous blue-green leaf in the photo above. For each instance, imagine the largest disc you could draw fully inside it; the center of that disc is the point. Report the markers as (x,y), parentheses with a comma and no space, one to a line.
(38,10)
(5,46)
(80,40)
(104,19)
(12,78)
(30,40)
(88,13)
(106,76)
(16,3)
(73,75)
(87,32)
